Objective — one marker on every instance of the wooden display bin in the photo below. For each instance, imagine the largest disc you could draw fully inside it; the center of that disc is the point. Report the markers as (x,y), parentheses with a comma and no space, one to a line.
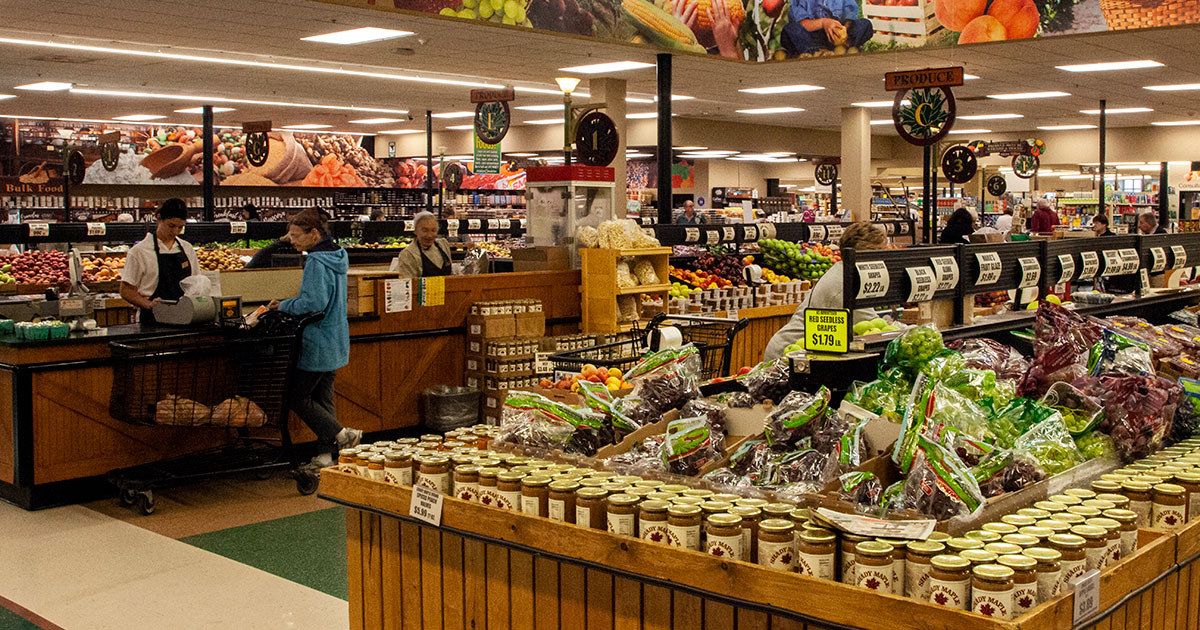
(599,284)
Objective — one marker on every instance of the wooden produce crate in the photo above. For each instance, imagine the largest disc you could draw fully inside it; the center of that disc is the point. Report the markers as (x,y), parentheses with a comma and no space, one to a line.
(360,291)
(599,287)
(485,567)
(910,25)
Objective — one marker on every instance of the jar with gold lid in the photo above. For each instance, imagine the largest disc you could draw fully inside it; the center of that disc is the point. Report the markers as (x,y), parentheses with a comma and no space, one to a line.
(346,459)
(622,514)
(435,473)
(917,567)
(700,493)
(776,544)
(1055,525)
(1070,518)
(978,556)
(1049,571)
(1169,507)
(1051,507)
(375,467)
(1039,533)
(589,508)
(1190,480)
(1022,540)
(652,520)
(508,490)
(984,536)
(1036,514)
(535,495)
(362,458)
(1128,529)
(750,516)
(750,502)
(999,528)
(1018,520)
(777,510)
(1099,504)
(1082,493)
(487,485)
(560,503)
(397,467)
(1074,558)
(1105,486)
(683,526)
(1025,587)
(958,545)
(1095,543)
(873,565)
(899,564)
(992,591)
(466,483)
(816,552)
(1139,494)
(1112,539)
(1003,548)
(653,484)
(674,488)
(723,535)
(1065,499)
(847,545)
(725,497)
(1084,511)
(950,581)
(1118,500)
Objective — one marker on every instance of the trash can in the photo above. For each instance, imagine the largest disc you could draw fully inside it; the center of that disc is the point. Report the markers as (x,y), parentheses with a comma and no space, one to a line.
(448,407)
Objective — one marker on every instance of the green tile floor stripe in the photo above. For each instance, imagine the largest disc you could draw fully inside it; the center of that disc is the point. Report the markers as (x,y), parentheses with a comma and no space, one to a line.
(10,620)
(308,549)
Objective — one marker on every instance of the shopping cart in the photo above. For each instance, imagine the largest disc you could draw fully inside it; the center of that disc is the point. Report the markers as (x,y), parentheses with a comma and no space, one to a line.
(713,336)
(235,379)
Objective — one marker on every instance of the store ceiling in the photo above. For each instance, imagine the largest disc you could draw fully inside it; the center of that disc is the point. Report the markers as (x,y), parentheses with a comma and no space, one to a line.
(451,49)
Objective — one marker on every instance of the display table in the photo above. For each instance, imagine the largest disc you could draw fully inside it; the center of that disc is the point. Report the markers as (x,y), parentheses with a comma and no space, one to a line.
(488,568)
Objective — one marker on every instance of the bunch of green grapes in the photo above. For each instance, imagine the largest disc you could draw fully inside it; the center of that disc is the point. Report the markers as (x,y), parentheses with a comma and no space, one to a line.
(1095,444)
(915,347)
(511,12)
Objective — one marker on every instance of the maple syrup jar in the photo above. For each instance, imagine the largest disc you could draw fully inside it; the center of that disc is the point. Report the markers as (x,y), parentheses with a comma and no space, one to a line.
(1074,558)
(1025,588)
(1036,514)
(346,458)
(1023,541)
(1190,480)
(723,536)
(992,591)
(508,490)
(375,467)
(1138,494)
(535,495)
(1169,510)
(397,468)
(1049,571)
(983,536)
(816,553)
(487,485)
(958,545)
(899,561)
(653,484)
(1054,525)
(978,556)
(362,461)
(950,581)
(683,526)
(560,504)
(652,521)
(1128,529)
(1082,493)
(622,514)
(777,510)
(1095,543)
(917,567)
(1018,520)
(435,473)
(776,546)
(750,517)
(589,508)
(849,541)
(1000,528)
(1112,539)
(1040,533)
(1103,486)
(466,483)
(873,565)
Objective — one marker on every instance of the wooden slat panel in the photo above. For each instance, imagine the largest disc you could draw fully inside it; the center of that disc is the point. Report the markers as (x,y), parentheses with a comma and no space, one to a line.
(431,577)
(717,616)
(1182,583)
(656,607)
(475,583)
(1194,598)
(572,587)
(7,472)
(453,602)
(393,609)
(1147,601)
(1104,624)
(1169,592)
(1133,614)
(521,579)
(783,623)
(687,611)
(545,599)
(599,600)
(372,571)
(354,551)
(1117,619)
(627,604)
(410,568)
(497,588)
(751,620)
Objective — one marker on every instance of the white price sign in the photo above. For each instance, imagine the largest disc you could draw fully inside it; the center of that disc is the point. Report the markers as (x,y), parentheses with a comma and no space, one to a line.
(904,228)
(505,224)
(816,233)
(426,505)
(731,313)
(946,270)
(493,224)
(712,237)
(728,234)
(1144,278)
(1129,260)
(100,229)
(691,235)
(1091,264)
(1031,271)
(398,295)
(751,232)
(522,224)
(891,228)
(873,279)
(1159,259)
(39,229)
(452,227)
(766,230)
(1067,262)
(1087,596)
(1180,255)
(235,227)
(473,224)
(922,283)
(989,267)
(1112,262)
(411,226)
(645,220)
(835,232)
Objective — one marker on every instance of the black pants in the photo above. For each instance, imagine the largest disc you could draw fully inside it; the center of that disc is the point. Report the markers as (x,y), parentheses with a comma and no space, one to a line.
(312,400)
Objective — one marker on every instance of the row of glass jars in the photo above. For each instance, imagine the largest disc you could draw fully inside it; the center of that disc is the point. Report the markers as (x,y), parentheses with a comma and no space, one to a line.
(1163,489)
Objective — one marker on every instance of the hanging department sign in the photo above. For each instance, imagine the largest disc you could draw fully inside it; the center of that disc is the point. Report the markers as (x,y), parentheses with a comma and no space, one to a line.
(487,158)
(924,109)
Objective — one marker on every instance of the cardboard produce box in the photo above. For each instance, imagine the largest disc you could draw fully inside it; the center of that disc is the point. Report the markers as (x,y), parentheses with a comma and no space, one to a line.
(541,259)
(532,324)
(491,326)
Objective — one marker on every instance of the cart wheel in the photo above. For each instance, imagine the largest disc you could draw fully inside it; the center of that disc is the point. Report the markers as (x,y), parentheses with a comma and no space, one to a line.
(126,497)
(307,482)
(145,502)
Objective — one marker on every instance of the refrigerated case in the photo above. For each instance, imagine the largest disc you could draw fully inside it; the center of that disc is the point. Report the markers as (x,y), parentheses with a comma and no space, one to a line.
(561,199)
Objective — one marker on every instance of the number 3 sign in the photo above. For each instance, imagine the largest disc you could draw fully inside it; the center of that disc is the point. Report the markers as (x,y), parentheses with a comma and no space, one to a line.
(959,164)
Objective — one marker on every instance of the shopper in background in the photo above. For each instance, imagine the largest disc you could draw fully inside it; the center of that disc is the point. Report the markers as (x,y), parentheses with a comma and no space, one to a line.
(824,25)
(958,226)
(325,345)
(156,265)
(427,256)
(1044,218)
(1148,224)
(376,215)
(1100,226)
(828,293)
(1004,221)
(689,215)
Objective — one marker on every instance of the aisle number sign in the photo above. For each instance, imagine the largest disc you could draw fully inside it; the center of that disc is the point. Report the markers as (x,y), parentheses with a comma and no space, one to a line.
(1091,264)
(826,330)
(1031,272)
(1067,263)
(873,279)
(1180,256)
(1159,259)
(946,269)
(989,267)
(922,283)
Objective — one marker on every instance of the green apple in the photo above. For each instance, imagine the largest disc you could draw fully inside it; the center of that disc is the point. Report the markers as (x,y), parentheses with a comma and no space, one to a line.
(1053,299)
(878,322)
(861,328)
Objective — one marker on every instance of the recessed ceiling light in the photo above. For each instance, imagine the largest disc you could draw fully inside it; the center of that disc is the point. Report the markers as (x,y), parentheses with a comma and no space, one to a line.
(1110,65)
(1174,87)
(307,126)
(45,86)
(613,66)
(521,154)
(1016,96)
(881,122)
(139,117)
(376,121)
(877,103)
(690,148)
(460,127)
(969,77)
(554,107)
(200,110)
(782,89)
(770,110)
(1076,176)
(638,155)
(362,35)
(545,121)
(960,132)
(454,115)
(1175,123)
(551,91)
(1065,127)
(5,97)
(641,115)
(990,117)
(241,101)
(401,132)
(1117,110)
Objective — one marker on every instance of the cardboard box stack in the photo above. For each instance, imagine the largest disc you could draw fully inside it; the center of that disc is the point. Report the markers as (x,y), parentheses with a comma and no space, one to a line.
(503,339)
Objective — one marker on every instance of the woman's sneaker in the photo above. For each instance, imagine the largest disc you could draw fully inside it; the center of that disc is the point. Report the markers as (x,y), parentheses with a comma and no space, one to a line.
(349,438)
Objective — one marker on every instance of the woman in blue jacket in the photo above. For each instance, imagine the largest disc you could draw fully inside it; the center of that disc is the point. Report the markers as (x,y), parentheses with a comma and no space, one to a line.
(326,344)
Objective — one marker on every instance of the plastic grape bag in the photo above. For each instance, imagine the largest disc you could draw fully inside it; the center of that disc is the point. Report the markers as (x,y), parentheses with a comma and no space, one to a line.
(665,380)
(1119,353)
(1160,343)
(597,397)
(973,384)
(914,425)
(713,412)
(1062,341)
(938,485)
(1094,444)
(953,410)
(1004,471)
(885,396)
(643,458)
(1139,411)
(913,349)
(793,418)
(861,489)
(1080,412)
(643,271)
(534,420)
(1049,443)
(891,499)
(1187,414)
(1015,419)
(985,354)
(750,459)
(944,364)
(769,380)
(799,467)
(852,449)
(689,444)
(625,279)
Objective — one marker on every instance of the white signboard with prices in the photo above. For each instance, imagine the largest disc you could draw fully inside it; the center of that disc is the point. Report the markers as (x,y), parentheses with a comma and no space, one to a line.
(1067,262)
(1091,264)
(989,267)
(1112,262)
(1158,259)
(505,224)
(916,529)
(1129,260)
(923,283)
(473,224)
(766,230)
(728,234)
(100,229)
(398,296)
(523,224)
(1180,256)
(410,226)
(1031,271)
(946,269)
(452,227)
(39,229)
(1087,596)
(426,505)
(750,232)
(235,227)
(834,233)
(712,237)
(816,233)
(691,235)
(873,279)
(493,224)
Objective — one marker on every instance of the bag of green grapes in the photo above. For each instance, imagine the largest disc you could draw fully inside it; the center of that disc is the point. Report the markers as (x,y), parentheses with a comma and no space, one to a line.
(912,350)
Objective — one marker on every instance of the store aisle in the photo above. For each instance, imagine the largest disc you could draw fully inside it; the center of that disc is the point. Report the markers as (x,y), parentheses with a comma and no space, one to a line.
(82,570)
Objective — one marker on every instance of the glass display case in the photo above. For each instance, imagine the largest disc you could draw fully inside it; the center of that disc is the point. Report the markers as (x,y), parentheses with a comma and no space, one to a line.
(561,199)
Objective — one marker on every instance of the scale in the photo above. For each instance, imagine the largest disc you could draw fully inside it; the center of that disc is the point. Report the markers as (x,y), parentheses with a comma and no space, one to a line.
(77,308)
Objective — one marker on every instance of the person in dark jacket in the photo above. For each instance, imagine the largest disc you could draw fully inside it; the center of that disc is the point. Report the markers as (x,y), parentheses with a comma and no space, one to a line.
(1044,218)
(1100,226)
(1148,224)
(958,226)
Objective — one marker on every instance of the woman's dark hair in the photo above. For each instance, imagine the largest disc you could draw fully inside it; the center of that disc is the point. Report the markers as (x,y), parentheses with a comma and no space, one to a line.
(173,209)
(1100,218)
(312,219)
(251,212)
(960,224)
(377,215)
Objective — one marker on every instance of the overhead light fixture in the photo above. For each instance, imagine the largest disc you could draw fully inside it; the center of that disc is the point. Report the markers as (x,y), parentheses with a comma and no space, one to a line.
(537,90)
(364,35)
(881,122)
(567,85)
(878,103)
(612,66)
(240,101)
(640,115)
(990,117)
(200,110)
(1065,127)
(1110,65)
(376,121)
(139,117)
(521,154)
(638,155)
(963,132)
(1176,87)
(769,110)
(401,132)
(690,148)
(1117,110)
(1175,123)
(969,77)
(460,127)
(308,126)
(5,97)
(782,89)
(556,107)
(545,121)
(639,99)
(1017,96)
(454,115)
(45,86)
(1076,176)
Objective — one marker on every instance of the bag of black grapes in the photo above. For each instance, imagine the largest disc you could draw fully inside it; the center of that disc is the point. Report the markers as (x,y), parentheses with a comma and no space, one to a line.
(1187,414)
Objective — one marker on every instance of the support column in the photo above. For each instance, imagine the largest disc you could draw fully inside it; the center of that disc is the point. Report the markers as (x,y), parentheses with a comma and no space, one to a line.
(1103,133)
(665,192)
(206,122)
(855,170)
(611,92)
(428,160)
(1163,207)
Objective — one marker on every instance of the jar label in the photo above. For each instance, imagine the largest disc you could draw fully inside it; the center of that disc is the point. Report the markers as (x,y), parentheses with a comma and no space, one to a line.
(725,546)
(1129,542)
(747,544)
(487,495)
(847,567)
(818,565)
(583,516)
(349,468)
(1025,597)
(776,555)
(1049,584)
(949,594)
(508,500)
(1071,569)
(654,531)
(1112,553)
(441,482)
(687,536)
(530,505)
(468,492)
(1094,557)
(1193,505)
(376,474)
(874,578)
(557,510)
(995,604)
(1168,516)
(1142,509)
(916,580)
(622,524)
(361,471)
(898,577)
(398,476)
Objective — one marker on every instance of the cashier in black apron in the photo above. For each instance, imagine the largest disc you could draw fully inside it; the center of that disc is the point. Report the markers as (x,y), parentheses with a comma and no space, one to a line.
(428,255)
(156,265)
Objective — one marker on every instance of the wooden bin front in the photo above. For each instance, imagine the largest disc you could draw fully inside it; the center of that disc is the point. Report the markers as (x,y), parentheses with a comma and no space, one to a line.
(487,568)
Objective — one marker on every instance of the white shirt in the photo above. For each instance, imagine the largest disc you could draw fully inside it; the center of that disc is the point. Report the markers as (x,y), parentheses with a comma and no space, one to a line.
(1004,223)
(141,264)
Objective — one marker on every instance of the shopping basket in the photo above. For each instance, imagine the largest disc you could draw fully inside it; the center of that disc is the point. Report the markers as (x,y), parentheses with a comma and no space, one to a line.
(713,336)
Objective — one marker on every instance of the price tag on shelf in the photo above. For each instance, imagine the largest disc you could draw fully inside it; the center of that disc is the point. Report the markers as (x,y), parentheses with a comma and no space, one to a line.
(426,504)
(235,227)
(750,232)
(904,228)
(816,233)
(1091,264)
(731,313)
(452,227)
(891,228)
(411,226)
(1130,260)
(39,229)
(834,232)
(728,234)
(1180,255)
(873,279)
(100,229)
(1067,262)
(645,220)
(826,330)
(922,283)
(473,224)
(766,230)
(1087,596)
(493,224)
(691,235)
(1158,259)
(522,224)
(946,270)
(1144,278)
(989,267)
(1112,262)
(712,237)
(505,224)
(1031,271)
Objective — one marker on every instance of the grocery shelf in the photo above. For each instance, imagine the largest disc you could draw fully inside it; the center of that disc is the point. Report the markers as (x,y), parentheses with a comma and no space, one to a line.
(647,251)
(645,288)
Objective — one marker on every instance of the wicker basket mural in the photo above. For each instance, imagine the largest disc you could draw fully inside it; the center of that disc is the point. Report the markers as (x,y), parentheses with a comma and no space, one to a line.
(1127,14)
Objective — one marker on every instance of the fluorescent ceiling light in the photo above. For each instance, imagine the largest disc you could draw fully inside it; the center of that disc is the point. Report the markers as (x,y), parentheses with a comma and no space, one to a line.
(521,154)
(1175,123)
(638,155)
(553,107)
(240,101)
(139,117)
(613,66)
(782,89)
(454,115)
(460,127)
(690,148)
(5,97)
(641,115)
(1110,65)
(878,103)
(770,110)
(1016,96)
(654,99)
(881,122)
(45,86)
(200,110)
(1065,127)
(545,121)
(1117,110)
(401,132)
(307,126)
(1076,176)
(376,121)
(961,132)
(969,77)
(990,117)
(362,35)
(1174,87)
(551,91)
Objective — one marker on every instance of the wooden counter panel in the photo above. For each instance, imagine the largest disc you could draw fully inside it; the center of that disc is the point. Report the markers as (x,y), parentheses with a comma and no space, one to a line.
(7,472)
(752,341)
(409,366)
(558,291)
(358,389)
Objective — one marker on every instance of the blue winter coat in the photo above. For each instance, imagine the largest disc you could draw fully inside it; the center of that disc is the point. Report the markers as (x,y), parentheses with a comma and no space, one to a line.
(323,289)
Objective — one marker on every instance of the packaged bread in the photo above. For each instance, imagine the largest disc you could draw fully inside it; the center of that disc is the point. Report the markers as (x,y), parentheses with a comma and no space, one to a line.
(238,411)
(177,411)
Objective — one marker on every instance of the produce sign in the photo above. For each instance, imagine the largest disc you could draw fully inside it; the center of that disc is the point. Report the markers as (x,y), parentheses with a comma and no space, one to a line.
(959,164)
(923,110)
(452,176)
(827,174)
(997,185)
(596,139)
(492,120)
(257,146)
(110,151)
(73,166)
(826,330)
(1008,148)
(1025,166)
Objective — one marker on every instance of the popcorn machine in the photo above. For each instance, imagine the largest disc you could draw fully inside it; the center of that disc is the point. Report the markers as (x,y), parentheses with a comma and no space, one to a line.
(561,199)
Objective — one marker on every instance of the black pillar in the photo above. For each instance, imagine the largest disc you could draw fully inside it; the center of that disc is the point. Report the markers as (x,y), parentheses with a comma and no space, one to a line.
(773,187)
(1163,219)
(927,213)
(665,192)
(428,161)
(207,123)
(1103,121)
(833,197)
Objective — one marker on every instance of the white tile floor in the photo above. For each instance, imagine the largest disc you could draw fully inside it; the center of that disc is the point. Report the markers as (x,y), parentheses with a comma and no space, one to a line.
(83,570)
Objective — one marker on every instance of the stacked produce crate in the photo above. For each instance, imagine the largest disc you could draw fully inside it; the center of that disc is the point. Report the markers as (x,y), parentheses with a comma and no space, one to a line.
(503,339)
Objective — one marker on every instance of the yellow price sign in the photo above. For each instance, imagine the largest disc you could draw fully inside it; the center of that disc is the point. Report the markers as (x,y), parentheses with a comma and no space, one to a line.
(826,330)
